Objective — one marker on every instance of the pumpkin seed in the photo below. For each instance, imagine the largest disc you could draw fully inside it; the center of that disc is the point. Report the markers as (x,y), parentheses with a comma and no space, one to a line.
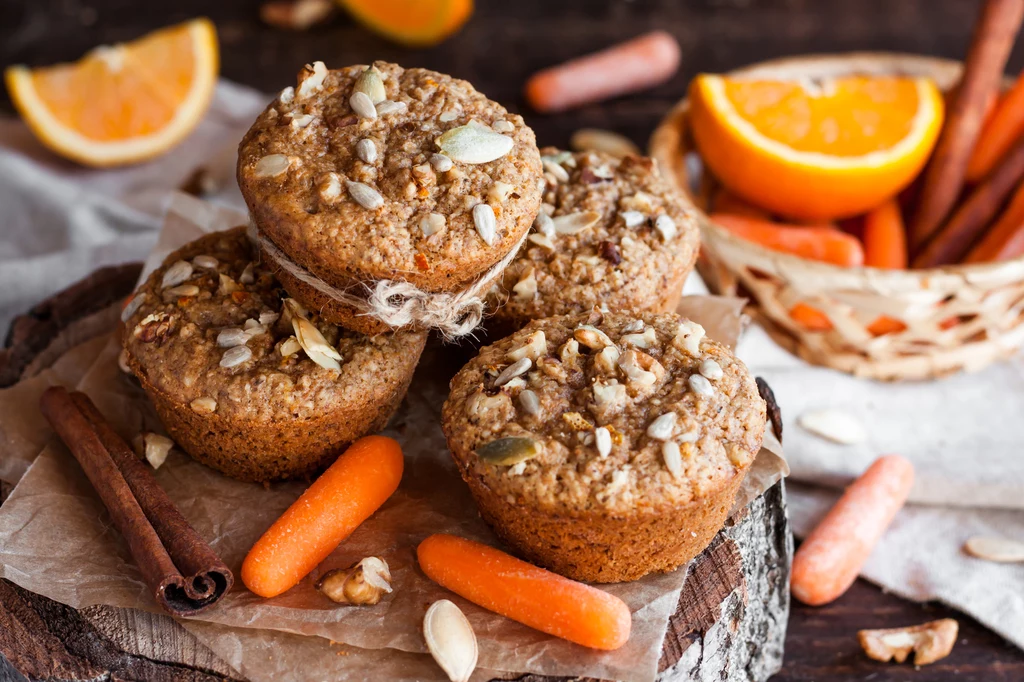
(834,425)
(370,84)
(474,144)
(998,549)
(508,451)
(450,640)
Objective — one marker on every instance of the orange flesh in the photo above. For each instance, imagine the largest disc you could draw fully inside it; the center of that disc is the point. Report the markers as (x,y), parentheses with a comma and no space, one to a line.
(837,125)
(139,98)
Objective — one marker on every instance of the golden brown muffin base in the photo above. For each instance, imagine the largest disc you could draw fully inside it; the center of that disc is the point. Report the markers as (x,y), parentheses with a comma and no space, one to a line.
(276,451)
(601,548)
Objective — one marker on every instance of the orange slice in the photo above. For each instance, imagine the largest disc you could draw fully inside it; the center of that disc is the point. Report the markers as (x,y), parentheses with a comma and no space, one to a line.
(123,103)
(417,23)
(814,150)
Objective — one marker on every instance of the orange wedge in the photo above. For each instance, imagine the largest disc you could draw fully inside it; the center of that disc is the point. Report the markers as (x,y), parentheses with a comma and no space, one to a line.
(815,150)
(417,23)
(123,103)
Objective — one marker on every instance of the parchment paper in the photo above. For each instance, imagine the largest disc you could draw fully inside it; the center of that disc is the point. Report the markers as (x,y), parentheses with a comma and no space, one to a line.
(55,537)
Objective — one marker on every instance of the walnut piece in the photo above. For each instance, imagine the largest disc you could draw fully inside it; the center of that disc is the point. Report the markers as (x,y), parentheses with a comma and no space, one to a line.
(361,584)
(929,642)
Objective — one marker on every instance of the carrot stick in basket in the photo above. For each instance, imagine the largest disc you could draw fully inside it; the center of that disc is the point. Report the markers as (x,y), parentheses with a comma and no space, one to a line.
(993,38)
(1005,239)
(977,211)
(344,496)
(532,596)
(831,557)
(816,243)
(1002,128)
(885,238)
(628,67)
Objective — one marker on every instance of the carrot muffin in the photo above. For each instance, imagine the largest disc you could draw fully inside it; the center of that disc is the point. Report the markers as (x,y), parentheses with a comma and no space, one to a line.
(605,447)
(245,379)
(611,233)
(377,173)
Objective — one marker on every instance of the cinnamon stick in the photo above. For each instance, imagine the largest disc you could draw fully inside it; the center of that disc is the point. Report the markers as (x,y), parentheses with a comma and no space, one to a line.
(993,38)
(969,221)
(182,571)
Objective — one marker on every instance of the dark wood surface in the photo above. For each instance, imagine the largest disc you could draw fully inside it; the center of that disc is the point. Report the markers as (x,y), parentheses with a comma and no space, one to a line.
(501,45)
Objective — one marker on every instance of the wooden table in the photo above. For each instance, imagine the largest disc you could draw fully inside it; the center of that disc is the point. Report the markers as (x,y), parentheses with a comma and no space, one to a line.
(500,46)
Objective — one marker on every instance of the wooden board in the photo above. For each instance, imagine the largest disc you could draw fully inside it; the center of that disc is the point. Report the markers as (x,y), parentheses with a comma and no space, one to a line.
(737,590)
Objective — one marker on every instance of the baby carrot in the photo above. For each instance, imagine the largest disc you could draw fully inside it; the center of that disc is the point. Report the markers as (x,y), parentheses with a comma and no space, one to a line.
(532,596)
(885,237)
(810,318)
(1001,129)
(816,243)
(640,63)
(727,202)
(1005,238)
(832,555)
(344,496)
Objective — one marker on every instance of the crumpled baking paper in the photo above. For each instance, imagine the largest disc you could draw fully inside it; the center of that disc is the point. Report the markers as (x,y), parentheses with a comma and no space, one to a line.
(55,536)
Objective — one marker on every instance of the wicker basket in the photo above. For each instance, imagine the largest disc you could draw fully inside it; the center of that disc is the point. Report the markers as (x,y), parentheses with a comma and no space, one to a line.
(957,317)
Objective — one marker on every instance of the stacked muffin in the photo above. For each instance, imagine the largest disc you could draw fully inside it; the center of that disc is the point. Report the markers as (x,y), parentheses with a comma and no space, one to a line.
(365,174)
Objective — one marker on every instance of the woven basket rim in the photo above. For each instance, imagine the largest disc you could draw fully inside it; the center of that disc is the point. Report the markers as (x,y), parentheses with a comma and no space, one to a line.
(667,147)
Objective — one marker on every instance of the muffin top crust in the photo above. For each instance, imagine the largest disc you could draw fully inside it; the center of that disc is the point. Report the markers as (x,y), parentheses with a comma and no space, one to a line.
(611,232)
(213,331)
(380,172)
(605,413)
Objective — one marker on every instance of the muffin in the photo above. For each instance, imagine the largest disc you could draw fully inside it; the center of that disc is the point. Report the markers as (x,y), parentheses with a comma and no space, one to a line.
(247,381)
(378,173)
(605,446)
(612,233)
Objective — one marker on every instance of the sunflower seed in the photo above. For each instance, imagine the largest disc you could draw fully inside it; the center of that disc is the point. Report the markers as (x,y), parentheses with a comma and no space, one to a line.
(311,79)
(366,150)
(542,241)
(314,343)
(556,169)
(503,126)
(605,141)
(633,218)
(183,290)
(247,276)
(603,441)
(441,163)
(474,144)
(517,368)
(661,428)
(486,225)
(364,195)
(287,95)
(575,222)
(290,347)
(526,288)
(544,224)
(205,262)
(156,448)
(389,107)
(508,451)
(834,425)
(370,84)
(133,306)
(529,401)
(362,106)
(688,337)
(1003,550)
(271,166)
(301,121)
(591,337)
(666,227)
(711,369)
(204,405)
(235,356)
(450,640)
(700,385)
(673,459)
(177,274)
